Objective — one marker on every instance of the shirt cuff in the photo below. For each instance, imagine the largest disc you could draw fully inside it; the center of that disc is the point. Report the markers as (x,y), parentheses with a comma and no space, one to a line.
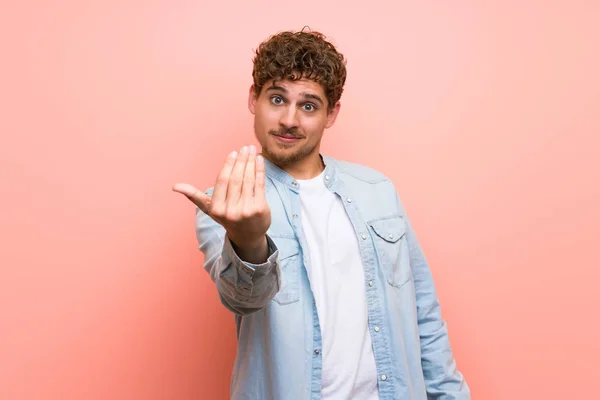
(246,270)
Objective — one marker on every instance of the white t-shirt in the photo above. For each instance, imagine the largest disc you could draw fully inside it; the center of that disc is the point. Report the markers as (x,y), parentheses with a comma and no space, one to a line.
(337,280)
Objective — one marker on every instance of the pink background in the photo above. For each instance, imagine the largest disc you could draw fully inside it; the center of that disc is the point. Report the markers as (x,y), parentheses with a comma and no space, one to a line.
(486,115)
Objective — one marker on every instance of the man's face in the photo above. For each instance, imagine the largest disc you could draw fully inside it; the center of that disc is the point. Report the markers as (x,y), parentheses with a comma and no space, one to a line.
(289,120)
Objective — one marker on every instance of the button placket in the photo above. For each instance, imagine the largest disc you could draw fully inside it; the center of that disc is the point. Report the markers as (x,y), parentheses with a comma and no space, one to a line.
(249,271)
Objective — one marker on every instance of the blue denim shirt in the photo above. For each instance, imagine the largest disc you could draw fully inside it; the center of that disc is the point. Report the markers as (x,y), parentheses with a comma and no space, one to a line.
(279,337)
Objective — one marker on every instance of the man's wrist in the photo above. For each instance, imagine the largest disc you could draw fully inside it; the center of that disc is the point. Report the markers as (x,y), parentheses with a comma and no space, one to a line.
(254,251)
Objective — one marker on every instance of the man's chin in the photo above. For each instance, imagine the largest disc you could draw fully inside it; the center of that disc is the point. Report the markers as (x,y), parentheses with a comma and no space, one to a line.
(279,157)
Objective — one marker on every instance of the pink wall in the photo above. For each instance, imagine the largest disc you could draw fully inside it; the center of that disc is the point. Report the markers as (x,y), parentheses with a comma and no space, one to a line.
(486,116)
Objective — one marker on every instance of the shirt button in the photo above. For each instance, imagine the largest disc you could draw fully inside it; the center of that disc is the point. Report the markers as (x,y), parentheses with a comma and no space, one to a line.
(294,183)
(316,352)
(349,200)
(371,283)
(383,378)
(326,177)
(391,235)
(376,329)
(363,236)
(295,216)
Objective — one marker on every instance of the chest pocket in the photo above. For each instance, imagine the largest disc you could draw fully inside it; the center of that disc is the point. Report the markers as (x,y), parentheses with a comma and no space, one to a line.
(389,238)
(289,267)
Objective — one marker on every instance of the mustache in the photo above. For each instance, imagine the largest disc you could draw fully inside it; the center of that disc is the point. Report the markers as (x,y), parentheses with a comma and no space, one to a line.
(286,131)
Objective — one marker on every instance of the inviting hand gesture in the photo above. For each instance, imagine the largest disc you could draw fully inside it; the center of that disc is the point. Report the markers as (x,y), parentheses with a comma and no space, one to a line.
(238,202)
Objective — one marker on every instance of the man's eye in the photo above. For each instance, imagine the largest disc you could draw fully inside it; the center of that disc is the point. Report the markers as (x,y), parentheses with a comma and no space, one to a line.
(309,107)
(276,100)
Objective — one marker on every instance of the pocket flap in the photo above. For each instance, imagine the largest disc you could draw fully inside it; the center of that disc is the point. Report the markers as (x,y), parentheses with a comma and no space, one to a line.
(389,229)
(287,247)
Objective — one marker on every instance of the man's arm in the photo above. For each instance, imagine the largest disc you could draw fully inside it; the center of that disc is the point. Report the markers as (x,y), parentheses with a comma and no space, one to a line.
(243,287)
(442,379)
(232,220)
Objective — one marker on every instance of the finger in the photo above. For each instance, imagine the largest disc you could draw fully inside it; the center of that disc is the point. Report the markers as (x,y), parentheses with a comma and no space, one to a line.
(220,191)
(259,180)
(234,189)
(196,196)
(249,175)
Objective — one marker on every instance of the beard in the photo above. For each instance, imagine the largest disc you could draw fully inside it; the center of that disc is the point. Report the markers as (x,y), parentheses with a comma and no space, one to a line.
(282,154)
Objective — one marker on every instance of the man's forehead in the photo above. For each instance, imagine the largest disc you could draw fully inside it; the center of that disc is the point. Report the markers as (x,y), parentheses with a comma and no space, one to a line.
(304,85)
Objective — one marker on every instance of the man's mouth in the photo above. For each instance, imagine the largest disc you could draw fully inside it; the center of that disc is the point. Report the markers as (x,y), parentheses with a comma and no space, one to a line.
(286,137)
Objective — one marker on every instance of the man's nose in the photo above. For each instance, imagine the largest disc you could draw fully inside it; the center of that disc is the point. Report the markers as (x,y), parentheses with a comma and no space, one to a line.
(289,117)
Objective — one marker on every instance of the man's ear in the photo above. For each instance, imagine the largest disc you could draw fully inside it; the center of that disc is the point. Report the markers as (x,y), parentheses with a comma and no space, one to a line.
(252,99)
(332,115)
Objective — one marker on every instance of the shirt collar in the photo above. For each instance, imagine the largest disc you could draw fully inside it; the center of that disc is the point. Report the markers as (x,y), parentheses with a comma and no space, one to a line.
(274,172)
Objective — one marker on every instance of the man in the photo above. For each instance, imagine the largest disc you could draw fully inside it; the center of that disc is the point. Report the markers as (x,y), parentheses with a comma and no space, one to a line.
(316,257)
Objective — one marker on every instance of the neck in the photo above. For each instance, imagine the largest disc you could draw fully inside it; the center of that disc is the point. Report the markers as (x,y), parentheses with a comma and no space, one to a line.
(304,169)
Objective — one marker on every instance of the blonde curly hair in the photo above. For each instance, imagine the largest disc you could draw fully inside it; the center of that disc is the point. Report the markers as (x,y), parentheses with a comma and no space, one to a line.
(296,55)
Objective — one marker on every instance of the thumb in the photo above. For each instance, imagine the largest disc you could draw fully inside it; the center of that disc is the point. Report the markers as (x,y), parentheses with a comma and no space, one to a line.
(195,195)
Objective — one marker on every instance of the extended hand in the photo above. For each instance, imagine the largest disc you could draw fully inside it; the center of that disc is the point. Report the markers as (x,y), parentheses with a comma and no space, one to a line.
(238,201)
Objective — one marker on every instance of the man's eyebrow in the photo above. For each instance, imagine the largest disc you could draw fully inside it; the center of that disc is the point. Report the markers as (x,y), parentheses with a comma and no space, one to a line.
(275,88)
(312,96)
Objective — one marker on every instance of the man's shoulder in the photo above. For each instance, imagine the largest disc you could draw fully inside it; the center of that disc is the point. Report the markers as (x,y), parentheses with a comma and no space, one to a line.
(360,172)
